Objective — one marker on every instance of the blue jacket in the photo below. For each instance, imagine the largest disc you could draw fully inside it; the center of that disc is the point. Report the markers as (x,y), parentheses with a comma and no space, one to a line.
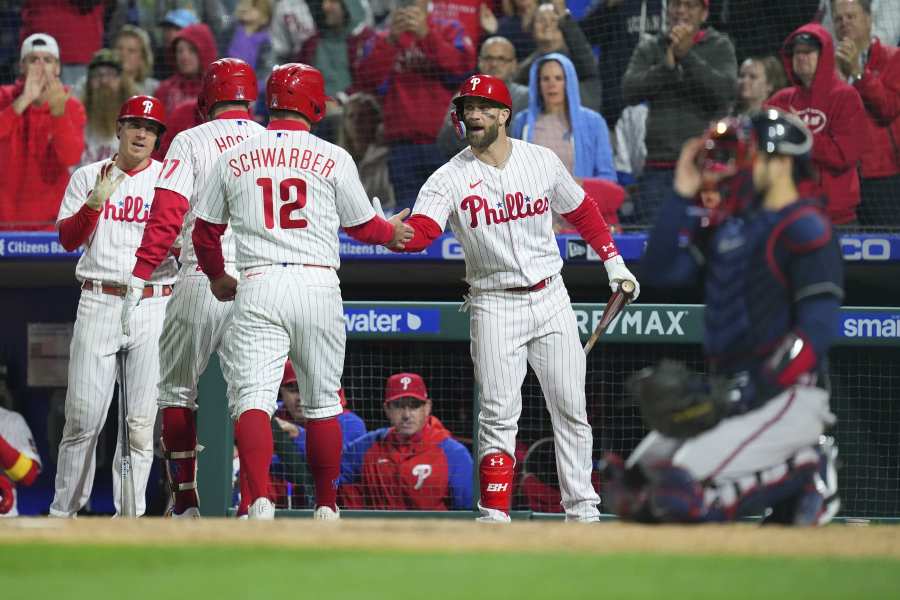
(593,153)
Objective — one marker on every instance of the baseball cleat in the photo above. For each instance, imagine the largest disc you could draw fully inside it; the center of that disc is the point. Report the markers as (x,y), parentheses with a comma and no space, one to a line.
(492,515)
(826,480)
(324,513)
(262,509)
(191,512)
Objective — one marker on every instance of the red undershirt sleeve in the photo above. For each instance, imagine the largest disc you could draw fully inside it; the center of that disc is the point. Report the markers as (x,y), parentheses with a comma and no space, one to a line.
(75,230)
(166,217)
(592,228)
(426,231)
(207,240)
(374,231)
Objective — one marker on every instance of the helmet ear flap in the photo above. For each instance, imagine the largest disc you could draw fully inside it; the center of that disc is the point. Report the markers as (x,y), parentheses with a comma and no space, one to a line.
(458,125)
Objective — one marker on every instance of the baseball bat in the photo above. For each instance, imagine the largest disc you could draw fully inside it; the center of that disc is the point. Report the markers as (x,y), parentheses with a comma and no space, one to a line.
(127,504)
(615,305)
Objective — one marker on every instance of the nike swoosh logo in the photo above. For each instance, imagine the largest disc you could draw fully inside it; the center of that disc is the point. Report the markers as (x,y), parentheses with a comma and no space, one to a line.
(472,185)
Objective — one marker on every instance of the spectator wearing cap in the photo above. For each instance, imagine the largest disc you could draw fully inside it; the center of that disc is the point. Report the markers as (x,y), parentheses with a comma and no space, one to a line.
(415,464)
(873,69)
(289,431)
(77,27)
(105,92)
(41,137)
(136,53)
(833,111)
(687,75)
(169,27)
(194,49)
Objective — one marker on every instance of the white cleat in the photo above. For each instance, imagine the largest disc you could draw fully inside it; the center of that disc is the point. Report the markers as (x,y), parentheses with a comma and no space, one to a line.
(492,515)
(324,513)
(192,512)
(262,509)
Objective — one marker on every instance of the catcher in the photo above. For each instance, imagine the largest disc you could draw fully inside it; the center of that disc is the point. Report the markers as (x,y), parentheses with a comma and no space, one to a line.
(748,439)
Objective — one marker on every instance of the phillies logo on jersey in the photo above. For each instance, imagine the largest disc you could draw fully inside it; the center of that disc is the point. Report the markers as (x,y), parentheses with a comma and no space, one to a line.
(130,209)
(814,118)
(421,473)
(514,207)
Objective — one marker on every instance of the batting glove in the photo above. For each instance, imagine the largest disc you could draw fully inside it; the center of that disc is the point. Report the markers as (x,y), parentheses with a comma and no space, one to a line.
(134,291)
(105,186)
(618,272)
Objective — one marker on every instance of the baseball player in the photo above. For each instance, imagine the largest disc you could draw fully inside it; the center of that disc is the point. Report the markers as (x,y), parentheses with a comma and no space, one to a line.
(19,459)
(497,196)
(749,439)
(105,208)
(195,321)
(285,193)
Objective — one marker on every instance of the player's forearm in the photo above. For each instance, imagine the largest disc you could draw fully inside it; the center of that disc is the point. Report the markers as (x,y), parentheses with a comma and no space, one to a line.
(374,231)
(18,467)
(426,231)
(74,231)
(207,240)
(166,217)
(592,228)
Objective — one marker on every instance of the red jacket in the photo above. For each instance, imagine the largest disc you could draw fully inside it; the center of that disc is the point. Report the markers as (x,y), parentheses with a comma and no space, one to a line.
(416,78)
(834,112)
(37,150)
(78,33)
(880,92)
(178,88)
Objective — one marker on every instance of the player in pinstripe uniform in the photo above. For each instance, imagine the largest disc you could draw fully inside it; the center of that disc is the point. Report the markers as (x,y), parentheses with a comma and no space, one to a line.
(20,463)
(497,195)
(285,192)
(195,321)
(104,209)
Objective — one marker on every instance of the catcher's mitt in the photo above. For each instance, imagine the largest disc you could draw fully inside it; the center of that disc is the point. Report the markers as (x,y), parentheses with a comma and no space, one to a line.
(677,402)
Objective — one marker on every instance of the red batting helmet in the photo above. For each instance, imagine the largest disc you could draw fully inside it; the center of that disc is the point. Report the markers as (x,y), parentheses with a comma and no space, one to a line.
(227,80)
(144,107)
(297,87)
(484,86)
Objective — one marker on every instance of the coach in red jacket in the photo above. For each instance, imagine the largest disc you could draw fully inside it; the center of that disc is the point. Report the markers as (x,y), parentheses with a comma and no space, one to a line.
(874,70)
(834,113)
(416,66)
(413,465)
(41,136)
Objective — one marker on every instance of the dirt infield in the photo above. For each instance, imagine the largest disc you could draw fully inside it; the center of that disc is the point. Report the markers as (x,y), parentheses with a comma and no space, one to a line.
(439,535)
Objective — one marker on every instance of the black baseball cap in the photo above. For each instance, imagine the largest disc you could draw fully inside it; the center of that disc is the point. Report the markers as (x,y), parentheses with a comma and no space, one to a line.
(806,39)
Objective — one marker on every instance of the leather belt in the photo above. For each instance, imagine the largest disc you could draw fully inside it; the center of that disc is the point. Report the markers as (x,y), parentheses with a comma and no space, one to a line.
(119,290)
(533,288)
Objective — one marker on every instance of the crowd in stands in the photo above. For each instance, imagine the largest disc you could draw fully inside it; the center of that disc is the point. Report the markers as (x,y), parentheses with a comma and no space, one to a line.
(614,87)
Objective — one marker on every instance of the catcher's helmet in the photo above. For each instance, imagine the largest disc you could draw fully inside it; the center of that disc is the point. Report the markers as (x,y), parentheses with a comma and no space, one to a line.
(779,132)
(297,87)
(227,80)
(144,107)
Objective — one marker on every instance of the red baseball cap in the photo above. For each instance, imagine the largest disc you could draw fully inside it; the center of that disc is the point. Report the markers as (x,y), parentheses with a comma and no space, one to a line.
(405,385)
(289,375)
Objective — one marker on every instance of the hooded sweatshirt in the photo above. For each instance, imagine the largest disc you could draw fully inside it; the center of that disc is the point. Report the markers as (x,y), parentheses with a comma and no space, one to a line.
(834,113)
(37,150)
(879,88)
(179,88)
(588,132)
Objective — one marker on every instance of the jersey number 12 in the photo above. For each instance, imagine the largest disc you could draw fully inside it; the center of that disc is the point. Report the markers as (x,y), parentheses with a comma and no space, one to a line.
(285,220)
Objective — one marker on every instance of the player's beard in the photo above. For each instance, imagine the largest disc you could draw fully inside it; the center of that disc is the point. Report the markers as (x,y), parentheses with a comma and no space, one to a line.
(102,107)
(484,138)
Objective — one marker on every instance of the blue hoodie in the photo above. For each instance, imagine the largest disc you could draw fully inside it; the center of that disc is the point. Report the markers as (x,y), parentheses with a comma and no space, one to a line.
(593,154)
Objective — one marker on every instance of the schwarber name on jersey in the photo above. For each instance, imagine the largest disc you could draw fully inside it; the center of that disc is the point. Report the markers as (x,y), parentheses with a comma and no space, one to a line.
(285,193)
(502,216)
(109,251)
(187,165)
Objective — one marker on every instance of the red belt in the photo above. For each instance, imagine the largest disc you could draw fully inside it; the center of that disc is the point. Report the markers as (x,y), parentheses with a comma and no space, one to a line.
(538,286)
(119,290)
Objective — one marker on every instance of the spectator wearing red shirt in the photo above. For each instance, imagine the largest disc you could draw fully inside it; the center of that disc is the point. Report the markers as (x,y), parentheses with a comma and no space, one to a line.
(41,136)
(873,69)
(834,113)
(413,465)
(77,25)
(416,65)
(194,49)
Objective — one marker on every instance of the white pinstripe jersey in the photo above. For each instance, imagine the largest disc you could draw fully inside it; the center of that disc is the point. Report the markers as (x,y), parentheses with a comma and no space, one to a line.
(502,216)
(285,193)
(15,431)
(109,251)
(187,165)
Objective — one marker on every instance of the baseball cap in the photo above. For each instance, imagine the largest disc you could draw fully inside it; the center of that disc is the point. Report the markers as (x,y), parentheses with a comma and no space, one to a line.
(405,385)
(104,57)
(289,375)
(807,39)
(39,42)
(180,18)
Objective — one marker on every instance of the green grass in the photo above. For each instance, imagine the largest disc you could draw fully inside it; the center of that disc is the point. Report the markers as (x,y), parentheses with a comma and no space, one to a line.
(51,572)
